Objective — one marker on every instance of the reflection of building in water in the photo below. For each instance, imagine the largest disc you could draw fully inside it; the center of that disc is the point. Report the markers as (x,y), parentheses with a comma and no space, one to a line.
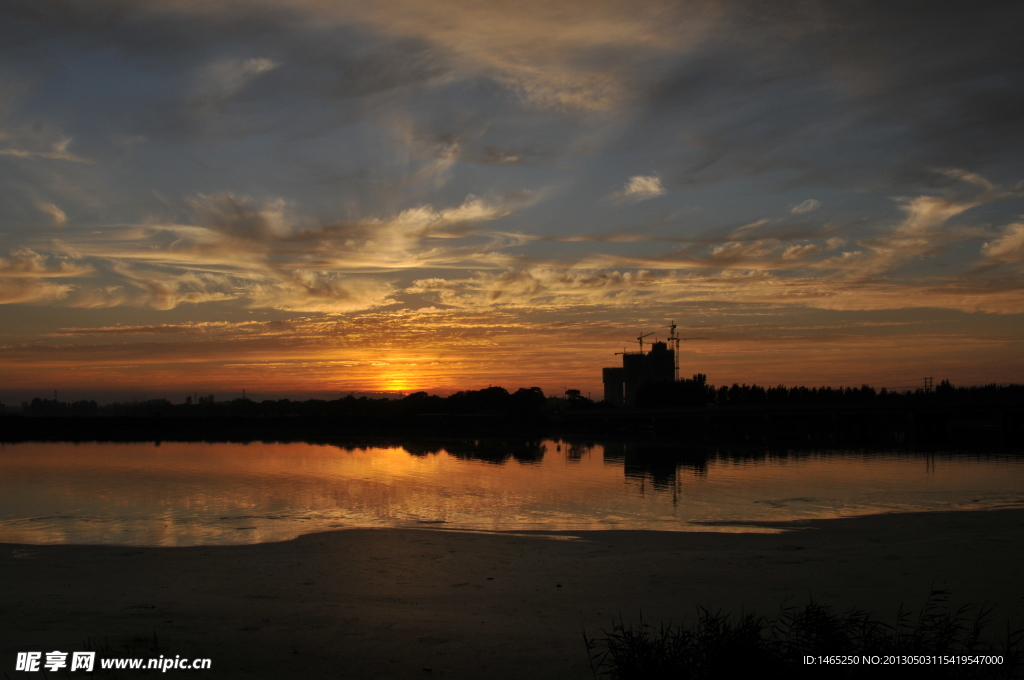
(574,452)
(662,465)
(638,369)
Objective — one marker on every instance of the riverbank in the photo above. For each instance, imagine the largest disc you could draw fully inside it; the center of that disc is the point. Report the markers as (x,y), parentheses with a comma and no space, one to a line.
(390,603)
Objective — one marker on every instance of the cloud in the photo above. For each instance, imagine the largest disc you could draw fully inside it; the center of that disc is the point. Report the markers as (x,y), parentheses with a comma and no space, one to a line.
(27,263)
(344,160)
(25,277)
(805,207)
(801,252)
(168,289)
(262,328)
(312,291)
(925,213)
(1008,248)
(904,92)
(922,232)
(568,290)
(263,253)
(425,221)
(746,252)
(740,93)
(675,85)
(57,216)
(242,217)
(57,150)
(266,254)
(225,77)
(13,291)
(536,287)
(570,56)
(506,156)
(640,188)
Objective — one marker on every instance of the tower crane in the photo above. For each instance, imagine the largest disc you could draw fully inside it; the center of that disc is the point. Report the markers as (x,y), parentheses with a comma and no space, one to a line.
(675,340)
(640,339)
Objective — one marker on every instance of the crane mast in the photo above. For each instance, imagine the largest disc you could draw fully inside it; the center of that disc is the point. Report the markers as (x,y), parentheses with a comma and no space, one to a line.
(640,339)
(674,338)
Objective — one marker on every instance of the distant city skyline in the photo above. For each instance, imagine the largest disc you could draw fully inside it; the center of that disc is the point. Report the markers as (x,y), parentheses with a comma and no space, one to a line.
(302,198)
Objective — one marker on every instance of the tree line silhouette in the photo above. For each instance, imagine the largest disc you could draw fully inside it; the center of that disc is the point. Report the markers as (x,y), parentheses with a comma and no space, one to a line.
(532,402)
(697,392)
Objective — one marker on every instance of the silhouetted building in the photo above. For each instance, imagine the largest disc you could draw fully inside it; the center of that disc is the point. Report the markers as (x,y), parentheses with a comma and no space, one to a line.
(638,369)
(614,378)
(634,365)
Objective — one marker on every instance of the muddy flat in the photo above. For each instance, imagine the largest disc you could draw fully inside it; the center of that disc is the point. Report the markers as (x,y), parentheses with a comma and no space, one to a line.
(401,603)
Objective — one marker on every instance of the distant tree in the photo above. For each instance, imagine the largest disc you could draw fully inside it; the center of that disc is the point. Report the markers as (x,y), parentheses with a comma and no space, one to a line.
(576,401)
(489,400)
(528,400)
(694,391)
(60,409)
(421,402)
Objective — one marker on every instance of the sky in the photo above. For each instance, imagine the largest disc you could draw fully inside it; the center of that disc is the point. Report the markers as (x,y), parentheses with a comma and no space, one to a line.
(310,197)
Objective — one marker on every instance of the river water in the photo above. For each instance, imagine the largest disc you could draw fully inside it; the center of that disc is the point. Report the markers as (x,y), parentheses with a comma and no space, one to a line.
(222,493)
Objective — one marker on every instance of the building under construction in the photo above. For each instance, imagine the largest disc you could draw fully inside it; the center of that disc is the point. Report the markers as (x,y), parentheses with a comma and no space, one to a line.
(641,368)
(638,369)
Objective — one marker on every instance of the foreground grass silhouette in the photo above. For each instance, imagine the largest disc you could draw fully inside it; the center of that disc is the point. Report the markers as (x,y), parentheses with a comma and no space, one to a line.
(938,642)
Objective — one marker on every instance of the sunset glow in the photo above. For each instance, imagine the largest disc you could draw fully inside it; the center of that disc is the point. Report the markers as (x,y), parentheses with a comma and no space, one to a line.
(301,198)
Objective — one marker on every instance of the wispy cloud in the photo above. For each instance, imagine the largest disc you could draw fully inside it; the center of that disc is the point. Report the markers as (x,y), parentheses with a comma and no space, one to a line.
(242,217)
(640,188)
(57,216)
(806,206)
(189,328)
(267,254)
(226,77)
(1008,248)
(264,254)
(27,263)
(57,150)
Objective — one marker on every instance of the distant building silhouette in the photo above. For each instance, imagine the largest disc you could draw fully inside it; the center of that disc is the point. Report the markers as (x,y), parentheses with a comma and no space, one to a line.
(638,369)
(614,379)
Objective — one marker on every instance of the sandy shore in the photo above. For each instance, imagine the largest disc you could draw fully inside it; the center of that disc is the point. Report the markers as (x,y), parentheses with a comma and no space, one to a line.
(390,603)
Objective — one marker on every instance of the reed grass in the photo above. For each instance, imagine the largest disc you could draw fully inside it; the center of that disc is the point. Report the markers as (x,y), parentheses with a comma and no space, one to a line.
(719,646)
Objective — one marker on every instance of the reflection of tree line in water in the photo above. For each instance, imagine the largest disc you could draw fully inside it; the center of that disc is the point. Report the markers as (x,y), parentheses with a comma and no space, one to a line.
(659,464)
(500,451)
(656,463)
(638,459)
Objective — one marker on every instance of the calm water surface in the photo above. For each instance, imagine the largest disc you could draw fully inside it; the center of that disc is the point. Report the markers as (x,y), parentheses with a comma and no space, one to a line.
(202,493)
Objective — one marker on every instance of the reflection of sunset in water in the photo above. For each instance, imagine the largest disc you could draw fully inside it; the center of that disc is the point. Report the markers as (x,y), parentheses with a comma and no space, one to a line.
(201,493)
